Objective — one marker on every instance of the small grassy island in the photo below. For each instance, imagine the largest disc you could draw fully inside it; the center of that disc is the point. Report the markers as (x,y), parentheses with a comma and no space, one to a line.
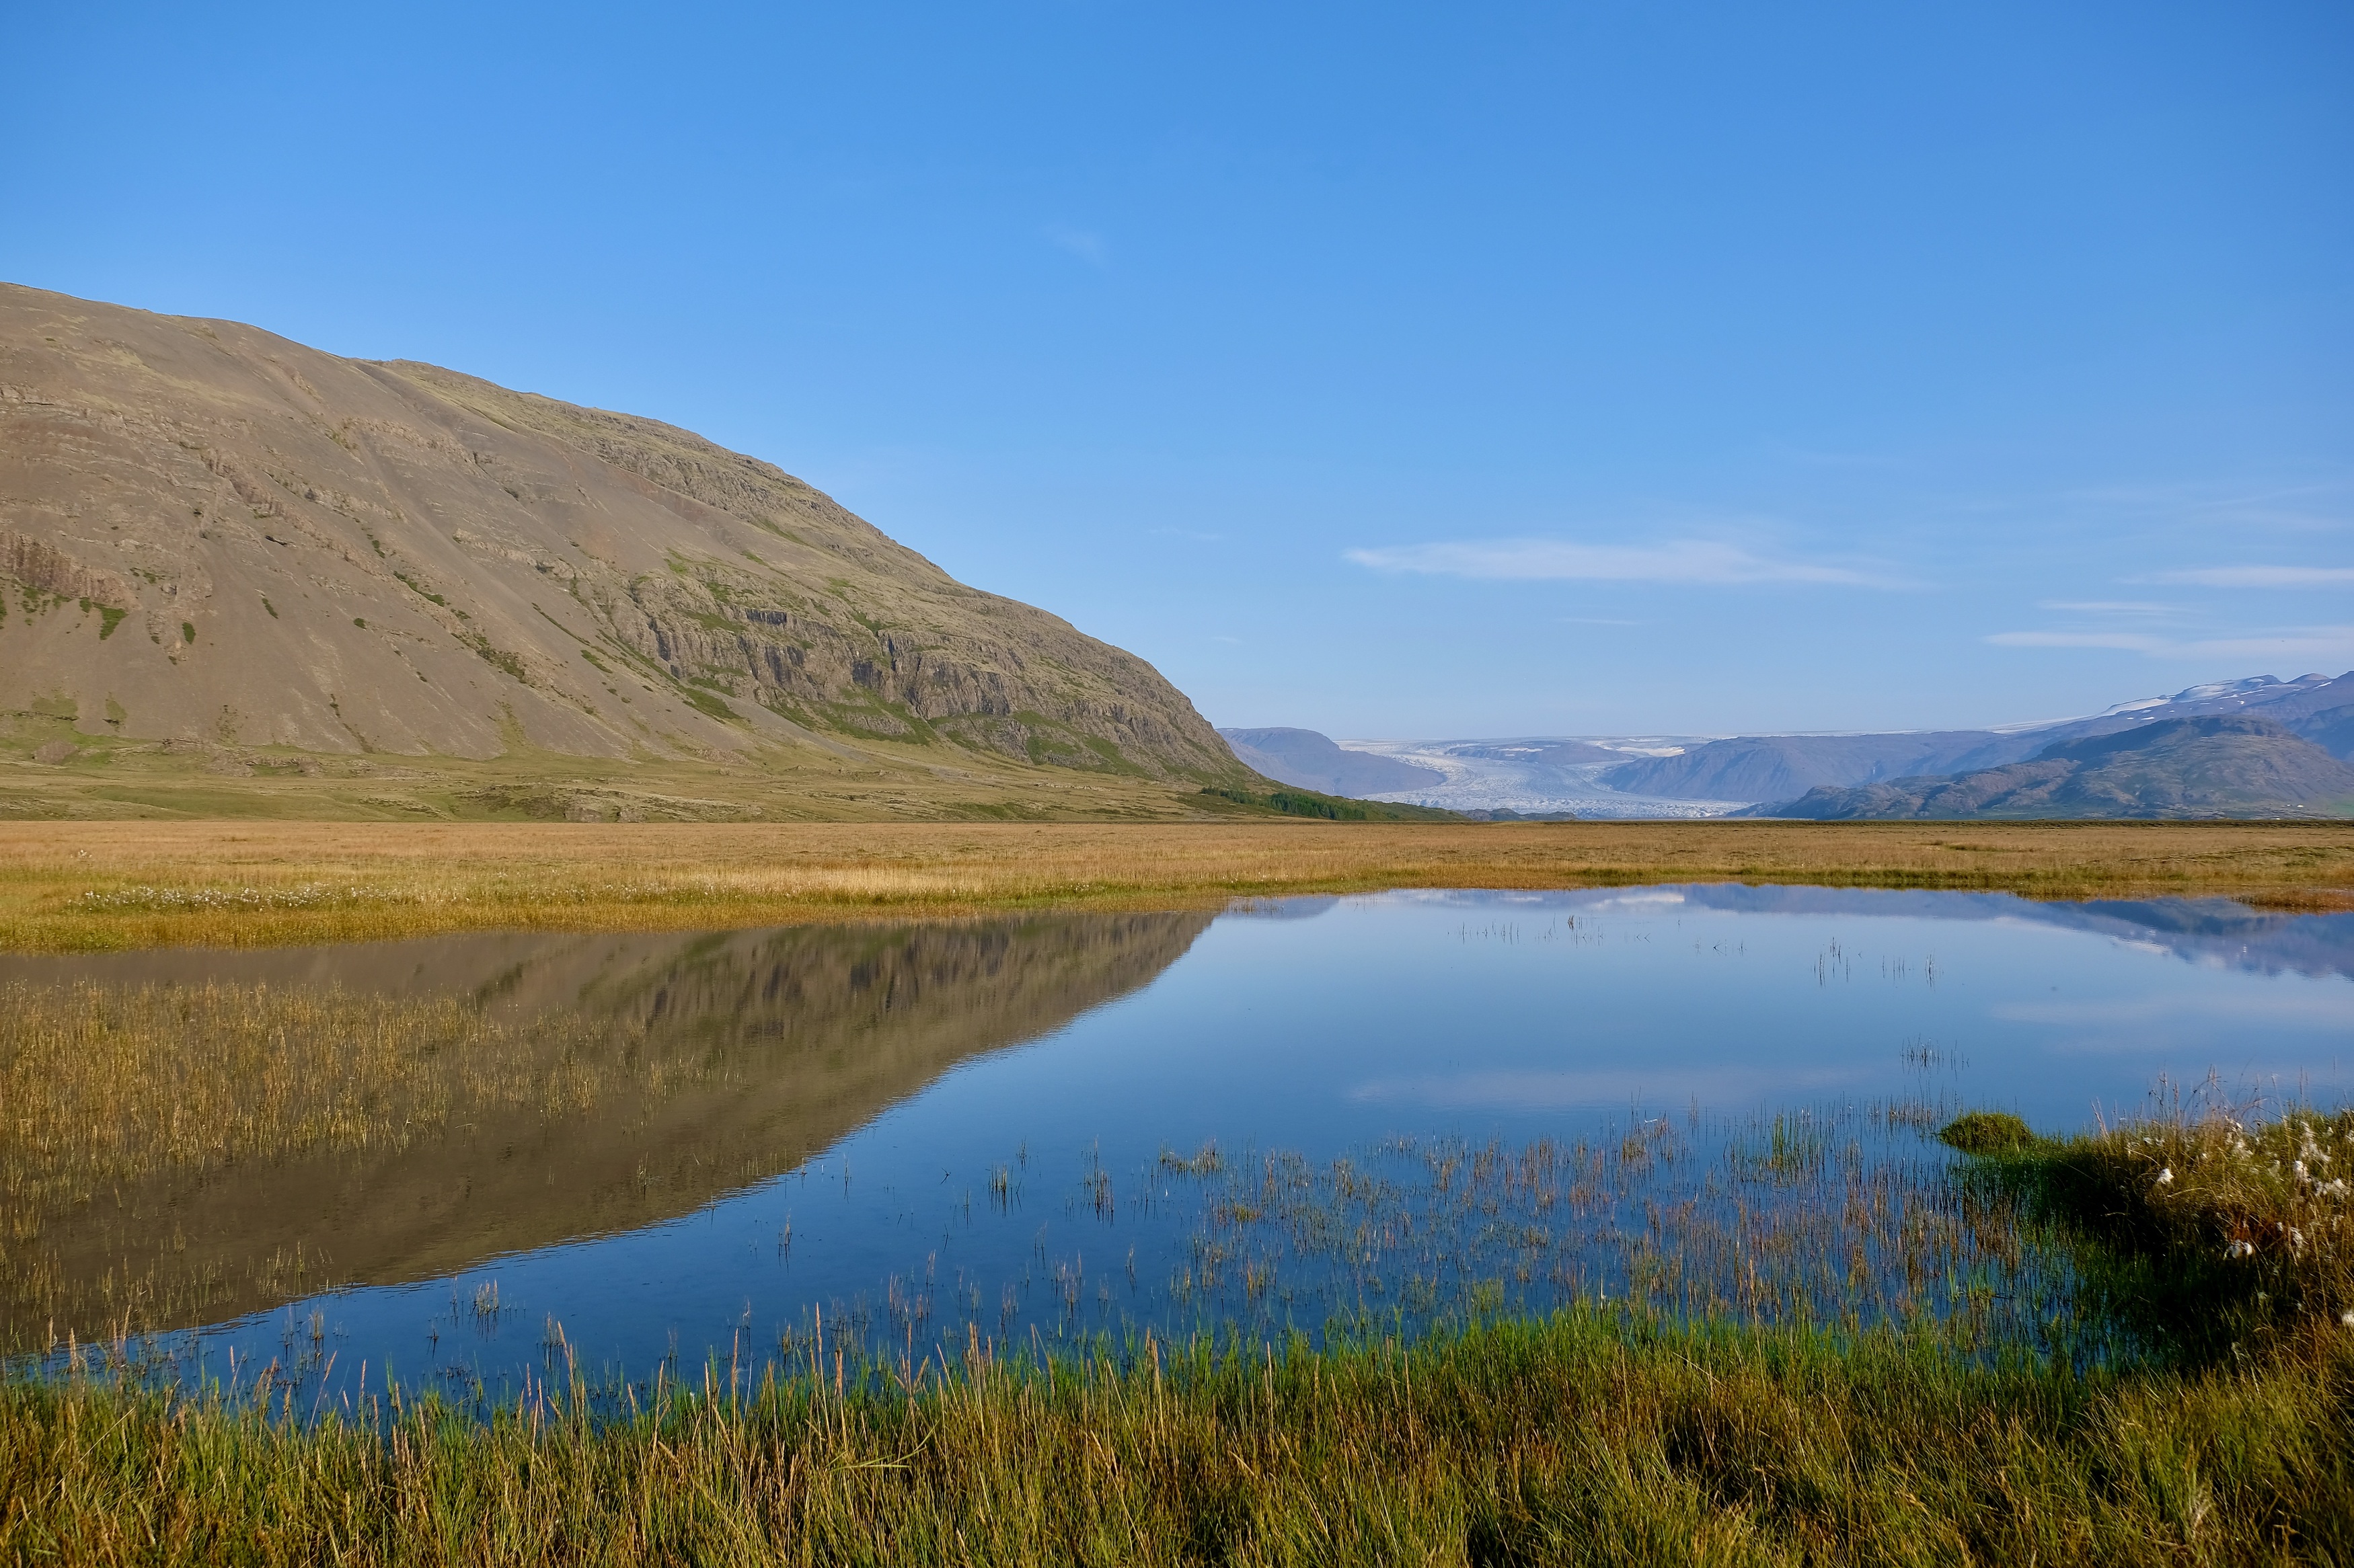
(2179,1393)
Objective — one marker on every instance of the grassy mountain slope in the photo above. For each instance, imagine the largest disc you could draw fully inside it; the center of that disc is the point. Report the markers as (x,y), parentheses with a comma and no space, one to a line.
(2223,765)
(222,546)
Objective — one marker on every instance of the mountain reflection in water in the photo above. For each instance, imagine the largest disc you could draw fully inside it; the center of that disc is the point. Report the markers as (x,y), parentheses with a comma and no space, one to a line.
(2214,931)
(751,1050)
(651,1140)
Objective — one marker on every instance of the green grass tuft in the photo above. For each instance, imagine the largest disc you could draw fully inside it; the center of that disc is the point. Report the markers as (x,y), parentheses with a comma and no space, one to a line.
(1986,1132)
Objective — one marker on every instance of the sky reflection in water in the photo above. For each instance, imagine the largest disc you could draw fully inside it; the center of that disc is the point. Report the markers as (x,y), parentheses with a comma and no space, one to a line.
(1008,1173)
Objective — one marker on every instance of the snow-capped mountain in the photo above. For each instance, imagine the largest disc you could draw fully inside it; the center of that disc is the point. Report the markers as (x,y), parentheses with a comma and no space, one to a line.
(1702,776)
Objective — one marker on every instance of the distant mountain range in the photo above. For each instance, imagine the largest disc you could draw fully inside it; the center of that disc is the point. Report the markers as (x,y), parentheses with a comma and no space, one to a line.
(2223,765)
(2290,763)
(1307,760)
(1784,766)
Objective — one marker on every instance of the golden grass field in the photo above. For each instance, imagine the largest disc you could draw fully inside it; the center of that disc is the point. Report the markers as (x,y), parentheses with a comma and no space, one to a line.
(82,886)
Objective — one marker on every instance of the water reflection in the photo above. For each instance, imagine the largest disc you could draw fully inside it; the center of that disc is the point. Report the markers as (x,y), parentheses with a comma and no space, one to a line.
(744,1053)
(2201,930)
(824,1117)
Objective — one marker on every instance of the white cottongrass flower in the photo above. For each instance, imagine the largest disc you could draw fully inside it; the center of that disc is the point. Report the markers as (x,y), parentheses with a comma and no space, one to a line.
(2296,1238)
(2239,1249)
(2346,1318)
(2299,1168)
(2165,1176)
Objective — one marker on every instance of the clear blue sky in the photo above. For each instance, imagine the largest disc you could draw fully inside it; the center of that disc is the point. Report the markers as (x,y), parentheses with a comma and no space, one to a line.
(1434,370)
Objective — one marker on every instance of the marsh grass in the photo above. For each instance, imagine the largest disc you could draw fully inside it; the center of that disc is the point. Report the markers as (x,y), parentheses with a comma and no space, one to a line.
(116,1096)
(1783,1339)
(1598,1434)
(1837,1215)
(94,886)
(2212,1228)
(104,1083)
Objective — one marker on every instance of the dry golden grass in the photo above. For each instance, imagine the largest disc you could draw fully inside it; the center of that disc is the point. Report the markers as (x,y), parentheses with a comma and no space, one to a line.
(102,1086)
(94,885)
(122,1102)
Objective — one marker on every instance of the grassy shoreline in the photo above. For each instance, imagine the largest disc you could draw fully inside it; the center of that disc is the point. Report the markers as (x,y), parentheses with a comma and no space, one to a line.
(2190,1403)
(1589,1436)
(95,887)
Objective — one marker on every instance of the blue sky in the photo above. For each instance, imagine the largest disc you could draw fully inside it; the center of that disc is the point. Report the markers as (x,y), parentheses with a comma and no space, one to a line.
(1429,371)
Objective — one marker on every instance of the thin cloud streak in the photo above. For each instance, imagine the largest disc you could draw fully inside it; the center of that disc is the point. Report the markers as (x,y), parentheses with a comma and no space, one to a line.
(1696,561)
(2110,607)
(2256,577)
(2320,644)
(1085,244)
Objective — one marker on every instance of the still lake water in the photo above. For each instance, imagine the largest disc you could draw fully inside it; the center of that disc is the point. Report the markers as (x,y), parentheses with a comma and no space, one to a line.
(924,1131)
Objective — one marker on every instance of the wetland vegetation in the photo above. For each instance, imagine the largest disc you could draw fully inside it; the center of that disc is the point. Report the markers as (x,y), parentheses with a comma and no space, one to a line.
(1854,1321)
(2005,1425)
(83,886)
(182,1148)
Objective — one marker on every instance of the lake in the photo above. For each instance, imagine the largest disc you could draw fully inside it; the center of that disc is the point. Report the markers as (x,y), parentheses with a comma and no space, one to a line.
(734,1148)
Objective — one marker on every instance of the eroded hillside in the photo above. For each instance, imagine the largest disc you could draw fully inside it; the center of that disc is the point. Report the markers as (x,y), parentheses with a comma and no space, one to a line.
(224,542)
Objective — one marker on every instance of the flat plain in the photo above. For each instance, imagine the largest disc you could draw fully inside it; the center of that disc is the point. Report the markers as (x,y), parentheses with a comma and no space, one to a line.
(87,886)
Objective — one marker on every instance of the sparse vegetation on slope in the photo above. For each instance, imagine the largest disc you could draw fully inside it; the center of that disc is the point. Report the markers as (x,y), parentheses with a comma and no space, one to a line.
(229,543)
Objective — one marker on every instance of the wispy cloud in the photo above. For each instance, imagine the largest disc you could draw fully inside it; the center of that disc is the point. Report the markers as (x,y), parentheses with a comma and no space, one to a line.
(2111,606)
(2314,644)
(2281,509)
(1084,243)
(2256,577)
(1555,560)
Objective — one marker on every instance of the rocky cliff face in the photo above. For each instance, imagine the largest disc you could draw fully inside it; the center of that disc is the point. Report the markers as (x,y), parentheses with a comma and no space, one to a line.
(214,535)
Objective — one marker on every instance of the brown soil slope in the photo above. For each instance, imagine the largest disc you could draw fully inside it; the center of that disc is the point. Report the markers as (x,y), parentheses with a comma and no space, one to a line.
(218,539)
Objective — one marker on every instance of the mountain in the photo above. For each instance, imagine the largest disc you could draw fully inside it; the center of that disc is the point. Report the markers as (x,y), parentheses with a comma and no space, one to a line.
(2220,765)
(1312,761)
(219,541)
(1778,766)
(1783,767)
(2280,700)
(2332,729)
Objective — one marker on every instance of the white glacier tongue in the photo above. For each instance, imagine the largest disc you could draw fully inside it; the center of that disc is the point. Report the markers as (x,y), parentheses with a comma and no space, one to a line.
(1510,776)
